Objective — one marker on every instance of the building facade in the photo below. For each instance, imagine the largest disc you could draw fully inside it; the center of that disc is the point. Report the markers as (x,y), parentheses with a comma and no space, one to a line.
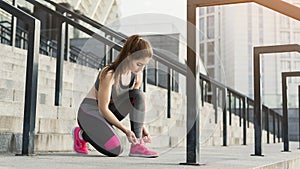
(227,35)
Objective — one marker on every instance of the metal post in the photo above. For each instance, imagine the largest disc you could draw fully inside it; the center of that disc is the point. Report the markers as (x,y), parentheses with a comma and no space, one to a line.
(169,93)
(13,30)
(248,107)
(257,105)
(240,111)
(59,62)
(31,76)
(192,77)
(267,124)
(215,101)
(202,92)
(244,122)
(229,107)
(285,126)
(278,128)
(299,115)
(31,88)
(67,43)
(274,129)
(224,117)
(205,91)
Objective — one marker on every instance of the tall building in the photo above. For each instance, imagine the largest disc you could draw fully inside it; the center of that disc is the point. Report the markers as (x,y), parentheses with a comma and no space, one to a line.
(227,35)
(104,11)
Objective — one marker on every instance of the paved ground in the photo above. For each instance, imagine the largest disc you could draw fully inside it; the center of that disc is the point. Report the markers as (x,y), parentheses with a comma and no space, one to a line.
(218,157)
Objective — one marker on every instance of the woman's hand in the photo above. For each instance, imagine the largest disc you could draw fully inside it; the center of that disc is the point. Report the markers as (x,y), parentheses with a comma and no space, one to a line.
(131,137)
(146,136)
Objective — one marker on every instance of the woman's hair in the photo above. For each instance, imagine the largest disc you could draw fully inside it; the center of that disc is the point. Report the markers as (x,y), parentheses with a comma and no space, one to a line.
(135,46)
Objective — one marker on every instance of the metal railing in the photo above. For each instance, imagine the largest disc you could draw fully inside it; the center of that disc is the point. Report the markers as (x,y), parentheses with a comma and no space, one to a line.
(31,75)
(237,103)
(47,47)
(218,91)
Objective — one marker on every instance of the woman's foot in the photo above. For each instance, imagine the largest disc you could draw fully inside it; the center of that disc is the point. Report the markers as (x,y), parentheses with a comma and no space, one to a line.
(140,150)
(79,144)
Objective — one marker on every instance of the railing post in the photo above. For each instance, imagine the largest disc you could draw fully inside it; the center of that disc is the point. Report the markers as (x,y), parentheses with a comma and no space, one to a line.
(299,114)
(192,81)
(13,29)
(285,126)
(240,111)
(244,122)
(224,117)
(278,128)
(202,91)
(59,62)
(248,110)
(67,43)
(229,107)
(215,101)
(274,129)
(169,93)
(267,124)
(206,91)
(257,104)
(31,88)
(234,104)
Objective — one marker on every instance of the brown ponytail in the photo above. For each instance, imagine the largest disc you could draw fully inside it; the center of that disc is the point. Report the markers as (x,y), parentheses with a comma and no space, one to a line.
(133,44)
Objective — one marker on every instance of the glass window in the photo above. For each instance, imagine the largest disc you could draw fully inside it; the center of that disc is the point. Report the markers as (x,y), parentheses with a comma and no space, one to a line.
(202,52)
(285,66)
(210,9)
(285,37)
(297,37)
(201,29)
(210,27)
(210,53)
(284,22)
(297,24)
(211,72)
(201,11)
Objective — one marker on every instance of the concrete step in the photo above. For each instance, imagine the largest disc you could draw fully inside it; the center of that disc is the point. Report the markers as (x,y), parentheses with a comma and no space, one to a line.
(21,61)
(12,67)
(12,142)
(8,108)
(11,124)
(12,95)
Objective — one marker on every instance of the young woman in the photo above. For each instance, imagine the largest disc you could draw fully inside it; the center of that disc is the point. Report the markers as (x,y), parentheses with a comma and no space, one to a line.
(114,95)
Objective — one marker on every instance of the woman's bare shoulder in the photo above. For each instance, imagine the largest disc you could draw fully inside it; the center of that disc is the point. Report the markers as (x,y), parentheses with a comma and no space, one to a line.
(107,75)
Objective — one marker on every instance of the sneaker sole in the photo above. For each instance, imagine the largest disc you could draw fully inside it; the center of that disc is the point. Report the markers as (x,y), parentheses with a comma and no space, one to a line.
(144,156)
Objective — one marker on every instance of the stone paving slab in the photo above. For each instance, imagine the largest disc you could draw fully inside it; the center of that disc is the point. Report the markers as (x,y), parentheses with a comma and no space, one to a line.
(212,157)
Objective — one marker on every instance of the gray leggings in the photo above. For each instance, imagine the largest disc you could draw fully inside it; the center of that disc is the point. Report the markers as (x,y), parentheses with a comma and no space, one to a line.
(99,132)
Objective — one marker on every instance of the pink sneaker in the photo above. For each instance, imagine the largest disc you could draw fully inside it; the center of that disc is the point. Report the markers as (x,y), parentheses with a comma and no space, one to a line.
(140,150)
(79,144)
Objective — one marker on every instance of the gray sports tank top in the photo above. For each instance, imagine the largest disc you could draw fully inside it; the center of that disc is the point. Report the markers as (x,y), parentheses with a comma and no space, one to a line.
(118,90)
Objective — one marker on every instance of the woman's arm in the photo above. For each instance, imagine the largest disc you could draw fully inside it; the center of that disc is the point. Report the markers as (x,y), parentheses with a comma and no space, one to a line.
(139,80)
(103,96)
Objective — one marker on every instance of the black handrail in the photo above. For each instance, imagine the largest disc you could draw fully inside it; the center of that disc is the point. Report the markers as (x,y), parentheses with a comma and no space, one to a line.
(31,76)
(77,25)
(243,107)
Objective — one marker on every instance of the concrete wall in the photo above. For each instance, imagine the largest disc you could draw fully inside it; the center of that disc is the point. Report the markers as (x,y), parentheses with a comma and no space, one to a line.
(54,123)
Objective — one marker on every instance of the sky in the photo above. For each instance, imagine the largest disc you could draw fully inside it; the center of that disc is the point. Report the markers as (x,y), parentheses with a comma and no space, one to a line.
(151,16)
(175,8)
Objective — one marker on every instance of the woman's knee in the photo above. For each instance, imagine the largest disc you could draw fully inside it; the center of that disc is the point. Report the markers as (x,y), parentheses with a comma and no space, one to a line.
(137,94)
